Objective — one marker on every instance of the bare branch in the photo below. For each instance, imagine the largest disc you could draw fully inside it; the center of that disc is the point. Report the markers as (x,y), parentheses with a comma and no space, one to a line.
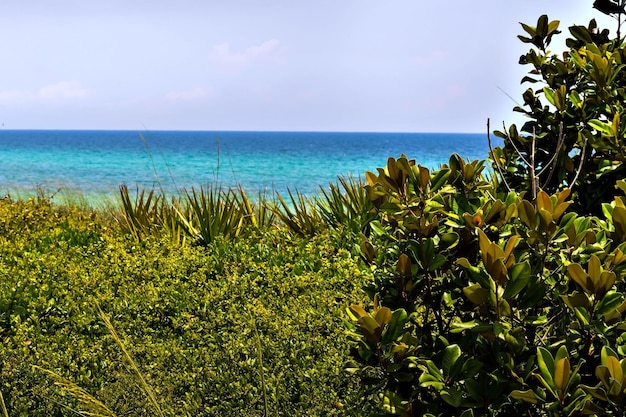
(495,160)
(580,166)
(554,159)
(533,177)
(515,147)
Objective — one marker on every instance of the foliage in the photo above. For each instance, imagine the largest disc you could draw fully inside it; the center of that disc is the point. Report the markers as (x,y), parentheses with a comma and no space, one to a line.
(487,303)
(346,204)
(197,320)
(300,215)
(506,296)
(574,135)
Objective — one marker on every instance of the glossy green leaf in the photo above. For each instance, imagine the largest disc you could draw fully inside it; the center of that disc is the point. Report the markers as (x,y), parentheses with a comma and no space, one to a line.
(519,276)
(528,396)
(450,355)
(545,363)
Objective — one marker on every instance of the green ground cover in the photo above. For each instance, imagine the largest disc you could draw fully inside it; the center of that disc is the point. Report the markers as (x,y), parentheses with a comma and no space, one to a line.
(237,327)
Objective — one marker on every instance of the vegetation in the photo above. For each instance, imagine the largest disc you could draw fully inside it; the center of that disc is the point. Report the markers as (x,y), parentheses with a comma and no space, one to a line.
(487,292)
(505,295)
(250,323)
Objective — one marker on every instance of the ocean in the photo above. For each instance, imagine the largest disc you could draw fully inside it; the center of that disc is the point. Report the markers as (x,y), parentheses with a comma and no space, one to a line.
(93,164)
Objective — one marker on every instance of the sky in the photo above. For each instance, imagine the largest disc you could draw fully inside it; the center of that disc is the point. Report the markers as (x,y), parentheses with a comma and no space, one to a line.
(277,65)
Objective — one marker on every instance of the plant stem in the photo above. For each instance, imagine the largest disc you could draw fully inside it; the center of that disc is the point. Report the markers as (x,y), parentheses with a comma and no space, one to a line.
(5,413)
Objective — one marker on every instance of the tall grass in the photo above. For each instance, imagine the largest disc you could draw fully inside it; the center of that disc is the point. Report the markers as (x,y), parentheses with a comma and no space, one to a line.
(3,406)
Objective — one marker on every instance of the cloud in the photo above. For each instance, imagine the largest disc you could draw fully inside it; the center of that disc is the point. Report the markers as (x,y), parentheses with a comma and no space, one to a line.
(194,94)
(62,91)
(234,62)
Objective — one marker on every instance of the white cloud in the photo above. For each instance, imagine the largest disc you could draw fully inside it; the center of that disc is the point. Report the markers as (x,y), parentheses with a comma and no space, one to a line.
(51,94)
(194,94)
(64,90)
(233,61)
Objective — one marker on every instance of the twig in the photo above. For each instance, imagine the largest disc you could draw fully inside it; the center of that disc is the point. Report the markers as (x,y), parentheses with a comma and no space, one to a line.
(533,177)
(554,160)
(580,166)
(515,147)
(494,157)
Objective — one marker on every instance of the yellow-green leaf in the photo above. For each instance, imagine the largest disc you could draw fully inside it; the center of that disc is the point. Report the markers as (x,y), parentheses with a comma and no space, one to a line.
(476,294)
(594,268)
(527,214)
(561,375)
(529,396)
(544,202)
(404,265)
(383,315)
(424,177)
(358,310)
(615,369)
(576,272)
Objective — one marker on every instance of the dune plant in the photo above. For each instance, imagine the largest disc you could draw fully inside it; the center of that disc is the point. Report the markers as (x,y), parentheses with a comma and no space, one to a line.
(300,214)
(346,204)
(210,212)
(143,215)
(257,213)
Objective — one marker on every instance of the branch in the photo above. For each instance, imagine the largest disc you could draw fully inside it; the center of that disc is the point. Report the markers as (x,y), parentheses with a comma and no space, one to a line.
(533,177)
(553,161)
(515,147)
(495,160)
(580,166)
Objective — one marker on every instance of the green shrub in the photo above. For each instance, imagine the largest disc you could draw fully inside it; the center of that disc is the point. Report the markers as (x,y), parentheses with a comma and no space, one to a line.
(574,135)
(488,304)
(197,320)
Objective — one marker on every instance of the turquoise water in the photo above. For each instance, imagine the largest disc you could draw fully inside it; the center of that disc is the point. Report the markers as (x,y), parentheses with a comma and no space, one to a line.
(95,163)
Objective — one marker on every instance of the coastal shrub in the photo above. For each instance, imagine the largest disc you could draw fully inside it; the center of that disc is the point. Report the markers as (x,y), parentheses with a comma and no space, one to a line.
(506,296)
(486,303)
(575,108)
(197,320)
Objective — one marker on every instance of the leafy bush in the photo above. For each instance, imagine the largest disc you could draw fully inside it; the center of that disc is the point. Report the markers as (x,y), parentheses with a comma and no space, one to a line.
(197,320)
(574,135)
(488,304)
(505,296)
